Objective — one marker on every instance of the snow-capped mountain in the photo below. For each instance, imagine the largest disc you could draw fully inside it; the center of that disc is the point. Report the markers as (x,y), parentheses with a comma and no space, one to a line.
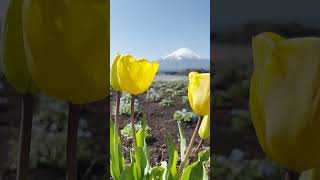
(182,53)
(182,59)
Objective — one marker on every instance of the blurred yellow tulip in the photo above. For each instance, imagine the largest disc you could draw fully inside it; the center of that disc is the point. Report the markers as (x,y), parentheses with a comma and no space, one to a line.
(69,45)
(114,73)
(204,130)
(135,75)
(199,93)
(13,53)
(284,99)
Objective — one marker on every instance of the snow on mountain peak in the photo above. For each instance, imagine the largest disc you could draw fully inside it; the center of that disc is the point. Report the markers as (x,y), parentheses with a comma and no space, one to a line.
(182,53)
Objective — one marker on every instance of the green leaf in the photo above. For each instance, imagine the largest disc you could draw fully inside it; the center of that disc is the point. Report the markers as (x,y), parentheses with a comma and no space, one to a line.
(157,172)
(129,173)
(132,156)
(204,156)
(139,169)
(112,158)
(141,158)
(117,159)
(140,137)
(144,121)
(142,154)
(135,175)
(183,141)
(171,171)
(145,146)
(195,171)
(205,174)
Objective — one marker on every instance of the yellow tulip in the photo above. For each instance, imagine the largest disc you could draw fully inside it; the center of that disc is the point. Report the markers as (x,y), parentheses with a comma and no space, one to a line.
(199,93)
(114,73)
(69,45)
(204,130)
(13,54)
(135,75)
(284,99)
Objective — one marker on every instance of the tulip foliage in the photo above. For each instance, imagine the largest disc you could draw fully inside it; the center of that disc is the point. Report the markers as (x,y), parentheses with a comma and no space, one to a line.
(284,99)
(135,76)
(167,170)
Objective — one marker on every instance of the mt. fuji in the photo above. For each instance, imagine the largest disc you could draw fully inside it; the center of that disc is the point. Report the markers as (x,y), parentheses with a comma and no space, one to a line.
(182,53)
(182,59)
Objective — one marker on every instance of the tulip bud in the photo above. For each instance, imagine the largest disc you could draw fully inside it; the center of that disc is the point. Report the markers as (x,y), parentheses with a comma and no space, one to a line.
(204,130)
(284,99)
(13,52)
(135,75)
(199,93)
(69,45)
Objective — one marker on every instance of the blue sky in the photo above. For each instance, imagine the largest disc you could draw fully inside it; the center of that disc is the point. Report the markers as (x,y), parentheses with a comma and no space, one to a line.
(155,28)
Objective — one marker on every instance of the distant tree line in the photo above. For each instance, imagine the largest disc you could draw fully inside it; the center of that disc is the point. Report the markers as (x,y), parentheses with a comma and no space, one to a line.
(243,34)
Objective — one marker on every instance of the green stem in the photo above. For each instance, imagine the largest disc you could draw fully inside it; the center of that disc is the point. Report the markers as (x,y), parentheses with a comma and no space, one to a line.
(25,137)
(290,175)
(198,147)
(73,123)
(133,124)
(134,134)
(117,106)
(116,134)
(189,149)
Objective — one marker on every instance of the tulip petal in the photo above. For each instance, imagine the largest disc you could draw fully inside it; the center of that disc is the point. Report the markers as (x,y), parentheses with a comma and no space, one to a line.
(14,61)
(114,73)
(126,82)
(68,50)
(284,100)
(136,76)
(199,92)
(144,71)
